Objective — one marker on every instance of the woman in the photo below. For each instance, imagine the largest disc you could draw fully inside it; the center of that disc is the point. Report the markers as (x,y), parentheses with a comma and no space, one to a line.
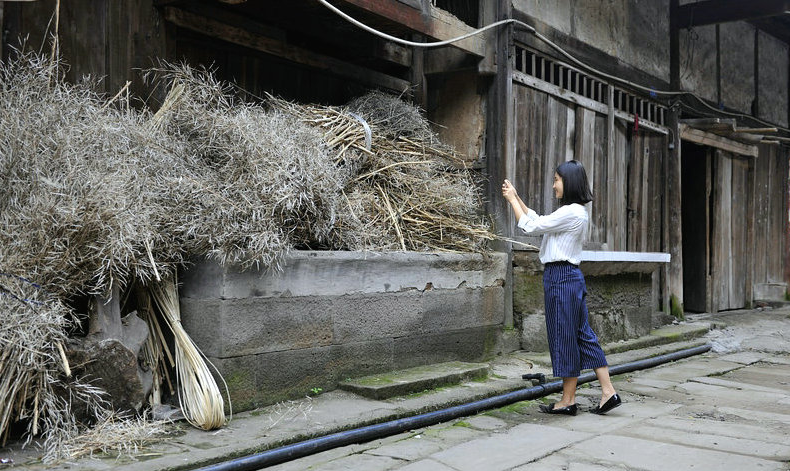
(572,343)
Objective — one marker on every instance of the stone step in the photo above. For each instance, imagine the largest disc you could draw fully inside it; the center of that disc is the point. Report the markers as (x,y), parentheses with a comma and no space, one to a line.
(662,336)
(414,380)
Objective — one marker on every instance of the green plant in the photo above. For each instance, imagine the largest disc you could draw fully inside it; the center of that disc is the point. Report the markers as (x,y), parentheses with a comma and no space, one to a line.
(316,391)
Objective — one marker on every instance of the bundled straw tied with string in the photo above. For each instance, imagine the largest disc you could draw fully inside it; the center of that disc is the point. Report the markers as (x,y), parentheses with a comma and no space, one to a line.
(409,191)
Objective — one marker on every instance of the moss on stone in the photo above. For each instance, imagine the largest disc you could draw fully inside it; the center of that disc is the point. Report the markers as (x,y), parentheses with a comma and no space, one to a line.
(527,292)
(242,391)
(676,308)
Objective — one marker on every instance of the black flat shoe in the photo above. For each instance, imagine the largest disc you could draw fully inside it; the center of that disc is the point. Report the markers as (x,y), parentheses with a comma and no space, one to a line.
(610,404)
(549,409)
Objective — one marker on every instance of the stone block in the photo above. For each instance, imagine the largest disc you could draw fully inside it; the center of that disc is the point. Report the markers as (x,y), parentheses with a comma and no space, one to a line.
(446,310)
(527,291)
(358,318)
(533,333)
(361,358)
(335,315)
(259,325)
(463,345)
(202,280)
(267,378)
(202,321)
(328,273)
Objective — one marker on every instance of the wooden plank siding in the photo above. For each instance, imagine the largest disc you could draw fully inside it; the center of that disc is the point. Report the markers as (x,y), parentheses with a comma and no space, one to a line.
(626,212)
(770,170)
(617,208)
(103,39)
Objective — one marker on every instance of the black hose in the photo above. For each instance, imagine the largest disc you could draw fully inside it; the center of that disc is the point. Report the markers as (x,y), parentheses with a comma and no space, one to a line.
(372,432)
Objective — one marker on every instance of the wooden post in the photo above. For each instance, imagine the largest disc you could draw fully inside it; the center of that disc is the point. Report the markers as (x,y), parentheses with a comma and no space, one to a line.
(419,87)
(783,158)
(611,164)
(674,272)
(499,142)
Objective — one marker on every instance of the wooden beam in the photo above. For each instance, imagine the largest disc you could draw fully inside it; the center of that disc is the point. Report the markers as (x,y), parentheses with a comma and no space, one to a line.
(710,12)
(438,61)
(242,37)
(714,140)
(379,48)
(438,24)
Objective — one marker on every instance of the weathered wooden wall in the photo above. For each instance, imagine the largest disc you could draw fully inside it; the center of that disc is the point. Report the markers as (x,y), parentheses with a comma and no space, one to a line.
(104,39)
(770,211)
(734,211)
(626,212)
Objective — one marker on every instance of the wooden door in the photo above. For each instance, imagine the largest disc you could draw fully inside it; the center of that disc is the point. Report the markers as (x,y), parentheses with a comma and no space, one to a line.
(728,239)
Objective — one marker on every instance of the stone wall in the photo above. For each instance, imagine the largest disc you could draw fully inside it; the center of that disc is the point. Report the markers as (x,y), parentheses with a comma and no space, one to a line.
(621,304)
(336,315)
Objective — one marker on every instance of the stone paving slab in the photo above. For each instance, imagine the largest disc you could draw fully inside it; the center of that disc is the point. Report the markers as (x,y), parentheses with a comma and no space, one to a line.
(720,427)
(758,415)
(654,455)
(713,394)
(709,441)
(531,441)
(736,385)
(411,449)
(623,416)
(426,465)
(563,463)
(745,358)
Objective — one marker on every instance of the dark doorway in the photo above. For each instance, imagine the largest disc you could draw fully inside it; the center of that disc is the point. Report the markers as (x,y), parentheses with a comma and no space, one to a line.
(695,183)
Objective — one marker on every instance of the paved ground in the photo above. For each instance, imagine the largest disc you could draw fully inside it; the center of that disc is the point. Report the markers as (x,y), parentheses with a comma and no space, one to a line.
(727,409)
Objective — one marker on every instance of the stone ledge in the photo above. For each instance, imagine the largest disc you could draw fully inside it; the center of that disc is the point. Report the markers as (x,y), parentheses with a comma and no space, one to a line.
(666,339)
(661,336)
(413,380)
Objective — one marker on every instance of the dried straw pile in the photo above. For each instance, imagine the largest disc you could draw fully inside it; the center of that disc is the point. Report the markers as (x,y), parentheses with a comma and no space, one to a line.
(33,373)
(95,193)
(409,191)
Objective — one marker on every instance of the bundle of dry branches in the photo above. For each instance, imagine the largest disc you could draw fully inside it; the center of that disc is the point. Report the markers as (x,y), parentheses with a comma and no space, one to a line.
(409,191)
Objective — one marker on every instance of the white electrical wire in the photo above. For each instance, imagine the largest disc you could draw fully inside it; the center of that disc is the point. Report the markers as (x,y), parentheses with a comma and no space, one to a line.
(413,43)
(549,42)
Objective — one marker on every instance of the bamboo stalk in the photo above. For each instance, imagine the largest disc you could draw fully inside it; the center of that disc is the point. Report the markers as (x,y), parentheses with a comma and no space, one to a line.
(63,358)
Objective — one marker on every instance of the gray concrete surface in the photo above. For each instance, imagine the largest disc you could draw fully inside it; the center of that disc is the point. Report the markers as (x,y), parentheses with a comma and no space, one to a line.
(334,315)
(727,409)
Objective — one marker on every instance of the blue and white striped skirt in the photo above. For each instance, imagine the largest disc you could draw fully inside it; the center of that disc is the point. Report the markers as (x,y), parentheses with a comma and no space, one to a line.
(572,343)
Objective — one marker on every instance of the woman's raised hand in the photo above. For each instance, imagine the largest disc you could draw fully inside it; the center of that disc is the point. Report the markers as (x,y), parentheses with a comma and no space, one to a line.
(509,191)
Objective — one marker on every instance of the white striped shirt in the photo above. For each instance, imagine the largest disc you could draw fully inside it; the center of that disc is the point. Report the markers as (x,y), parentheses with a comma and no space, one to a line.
(563,231)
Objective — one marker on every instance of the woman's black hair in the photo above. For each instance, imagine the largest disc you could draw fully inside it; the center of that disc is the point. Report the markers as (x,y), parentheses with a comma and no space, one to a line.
(575,187)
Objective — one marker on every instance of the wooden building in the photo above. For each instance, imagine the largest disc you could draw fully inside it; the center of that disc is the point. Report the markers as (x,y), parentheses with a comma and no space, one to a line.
(679,110)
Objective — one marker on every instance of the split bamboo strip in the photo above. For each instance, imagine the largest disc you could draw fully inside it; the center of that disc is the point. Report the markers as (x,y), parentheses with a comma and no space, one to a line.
(200,399)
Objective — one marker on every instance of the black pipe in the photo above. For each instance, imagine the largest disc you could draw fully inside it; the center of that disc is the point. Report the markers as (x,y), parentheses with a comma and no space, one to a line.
(372,432)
